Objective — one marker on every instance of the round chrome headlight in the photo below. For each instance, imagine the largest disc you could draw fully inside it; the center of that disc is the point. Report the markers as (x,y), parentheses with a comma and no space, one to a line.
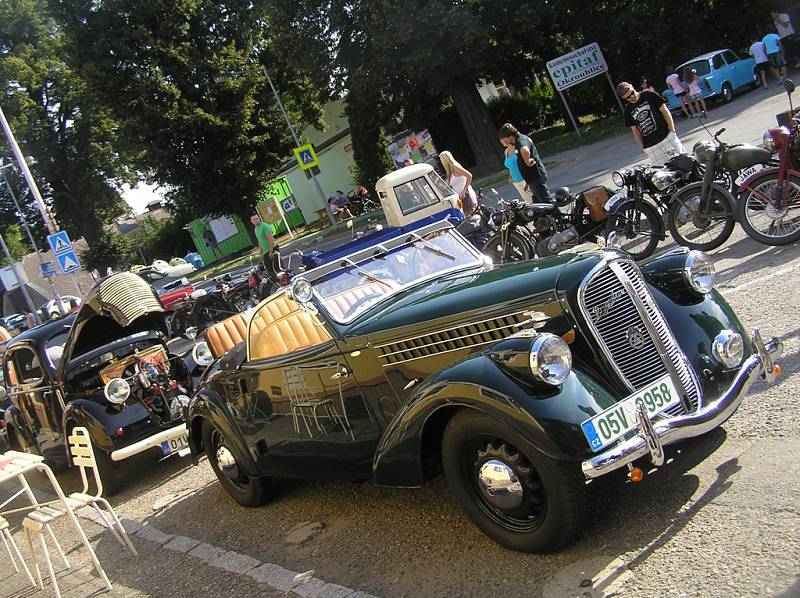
(550,359)
(728,348)
(767,142)
(117,391)
(301,290)
(202,354)
(618,178)
(699,272)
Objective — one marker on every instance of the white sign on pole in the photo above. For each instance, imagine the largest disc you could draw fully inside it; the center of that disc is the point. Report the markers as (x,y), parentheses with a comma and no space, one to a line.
(10,276)
(577,66)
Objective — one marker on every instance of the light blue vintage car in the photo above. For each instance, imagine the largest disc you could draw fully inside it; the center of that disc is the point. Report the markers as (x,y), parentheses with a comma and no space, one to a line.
(723,72)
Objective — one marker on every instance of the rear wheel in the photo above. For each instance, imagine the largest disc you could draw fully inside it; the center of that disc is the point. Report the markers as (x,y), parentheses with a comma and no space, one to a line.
(246,490)
(639,230)
(692,226)
(727,93)
(516,495)
(770,214)
(517,248)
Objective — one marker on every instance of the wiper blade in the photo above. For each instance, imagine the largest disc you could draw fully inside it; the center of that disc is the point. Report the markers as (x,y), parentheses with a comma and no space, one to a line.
(366,274)
(433,249)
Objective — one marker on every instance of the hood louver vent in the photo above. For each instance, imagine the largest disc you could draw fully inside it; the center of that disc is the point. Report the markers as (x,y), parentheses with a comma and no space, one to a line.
(466,336)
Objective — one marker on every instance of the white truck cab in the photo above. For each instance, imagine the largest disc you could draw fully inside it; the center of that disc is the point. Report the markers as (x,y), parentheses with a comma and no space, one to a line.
(413,193)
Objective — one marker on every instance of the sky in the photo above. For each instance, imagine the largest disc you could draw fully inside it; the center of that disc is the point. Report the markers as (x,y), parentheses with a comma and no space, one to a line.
(140,196)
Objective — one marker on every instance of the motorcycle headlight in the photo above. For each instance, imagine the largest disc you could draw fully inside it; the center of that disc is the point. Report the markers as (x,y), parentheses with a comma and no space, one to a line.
(202,354)
(699,272)
(728,348)
(664,179)
(117,391)
(618,178)
(767,142)
(550,359)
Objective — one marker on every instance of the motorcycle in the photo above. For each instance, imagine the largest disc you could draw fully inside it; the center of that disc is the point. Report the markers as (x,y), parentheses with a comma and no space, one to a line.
(361,204)
(702,215)
(525,230)
(198,311)
(637,221)
(262,284)
(236,294)
(478,227)
(769,201)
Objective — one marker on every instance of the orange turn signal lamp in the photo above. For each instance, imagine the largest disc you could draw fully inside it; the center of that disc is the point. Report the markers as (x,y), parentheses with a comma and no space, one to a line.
(777,369)
(636,474)
(569,337)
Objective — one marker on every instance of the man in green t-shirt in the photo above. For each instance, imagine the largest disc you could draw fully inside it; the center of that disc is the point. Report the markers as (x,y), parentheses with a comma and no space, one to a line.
(266,243)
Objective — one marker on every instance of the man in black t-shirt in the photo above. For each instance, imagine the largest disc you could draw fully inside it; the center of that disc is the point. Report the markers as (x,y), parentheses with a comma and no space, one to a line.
(650,120)
(530,164)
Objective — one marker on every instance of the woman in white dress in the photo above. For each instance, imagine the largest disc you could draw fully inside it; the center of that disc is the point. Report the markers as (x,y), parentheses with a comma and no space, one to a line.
(460,180)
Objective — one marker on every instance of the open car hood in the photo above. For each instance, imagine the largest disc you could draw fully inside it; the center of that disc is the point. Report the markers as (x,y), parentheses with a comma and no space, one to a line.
(117,306)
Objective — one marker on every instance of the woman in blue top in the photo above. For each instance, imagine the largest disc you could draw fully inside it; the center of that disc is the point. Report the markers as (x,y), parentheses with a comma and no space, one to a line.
(515,175)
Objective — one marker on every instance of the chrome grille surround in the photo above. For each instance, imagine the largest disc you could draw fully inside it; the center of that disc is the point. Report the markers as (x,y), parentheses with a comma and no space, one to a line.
(614,299)
(466,336)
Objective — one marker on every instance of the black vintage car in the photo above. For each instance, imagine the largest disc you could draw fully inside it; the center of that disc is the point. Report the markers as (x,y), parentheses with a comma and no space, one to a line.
(521,380)
(107,368)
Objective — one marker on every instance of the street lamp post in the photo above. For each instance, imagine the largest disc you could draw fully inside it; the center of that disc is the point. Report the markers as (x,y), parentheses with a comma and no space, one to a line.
(56,296)
(297,144)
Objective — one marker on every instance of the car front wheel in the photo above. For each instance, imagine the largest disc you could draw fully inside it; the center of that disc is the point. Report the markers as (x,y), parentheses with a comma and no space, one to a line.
(246,490)
(516,495)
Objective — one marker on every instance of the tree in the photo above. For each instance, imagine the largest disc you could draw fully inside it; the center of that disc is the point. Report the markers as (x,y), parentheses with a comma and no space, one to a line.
(416,55)
(110,249)
(60,121)
(8,211)
(17,245)
(186,79)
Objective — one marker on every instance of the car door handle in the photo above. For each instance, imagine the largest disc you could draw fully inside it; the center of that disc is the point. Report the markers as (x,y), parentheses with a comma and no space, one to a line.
(342,373)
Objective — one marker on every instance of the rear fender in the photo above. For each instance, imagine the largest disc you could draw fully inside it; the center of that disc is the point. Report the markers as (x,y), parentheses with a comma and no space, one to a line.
(207,405)
(548,417)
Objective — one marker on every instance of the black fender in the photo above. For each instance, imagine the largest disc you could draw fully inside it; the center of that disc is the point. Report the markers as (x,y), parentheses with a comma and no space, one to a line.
(207,405)
(16,422)
(659,223)
(100,419)
(547,416)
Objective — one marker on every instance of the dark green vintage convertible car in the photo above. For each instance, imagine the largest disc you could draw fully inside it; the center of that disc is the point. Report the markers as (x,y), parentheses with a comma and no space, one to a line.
(520,381)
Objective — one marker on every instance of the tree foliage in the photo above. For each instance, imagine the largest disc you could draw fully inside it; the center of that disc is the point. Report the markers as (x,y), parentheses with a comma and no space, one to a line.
(186,78)
(110,249)
(161,239)
(16,242)
(60,120)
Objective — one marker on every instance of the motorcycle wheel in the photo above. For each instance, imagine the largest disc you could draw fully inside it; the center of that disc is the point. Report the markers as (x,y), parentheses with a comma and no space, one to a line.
(640,235)
(177,324)
(518,249)
(759,217)
(696,229)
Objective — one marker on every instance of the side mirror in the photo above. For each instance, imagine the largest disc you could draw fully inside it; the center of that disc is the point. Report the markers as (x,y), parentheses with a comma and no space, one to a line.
(788,85)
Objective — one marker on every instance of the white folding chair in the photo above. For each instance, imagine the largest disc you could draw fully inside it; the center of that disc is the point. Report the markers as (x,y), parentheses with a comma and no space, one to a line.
(80,448)
(8,542)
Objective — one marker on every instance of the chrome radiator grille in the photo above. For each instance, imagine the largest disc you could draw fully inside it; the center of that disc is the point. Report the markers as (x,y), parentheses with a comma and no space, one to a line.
(640,353)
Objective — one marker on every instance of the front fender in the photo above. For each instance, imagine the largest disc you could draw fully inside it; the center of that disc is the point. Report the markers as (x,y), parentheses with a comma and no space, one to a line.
(98,419)
(749,182)
(15,420)
(207,405)
(548,417)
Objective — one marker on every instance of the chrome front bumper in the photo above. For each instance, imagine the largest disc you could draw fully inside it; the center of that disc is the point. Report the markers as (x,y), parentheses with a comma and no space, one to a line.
(653,436)
(149,442)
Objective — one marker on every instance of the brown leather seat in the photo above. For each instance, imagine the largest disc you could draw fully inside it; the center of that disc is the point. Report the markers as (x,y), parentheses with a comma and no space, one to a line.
(281,326)
(340,303)
(225,335)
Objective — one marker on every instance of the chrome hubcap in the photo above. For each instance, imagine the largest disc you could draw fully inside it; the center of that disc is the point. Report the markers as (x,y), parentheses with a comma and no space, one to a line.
(499,485)
(227,463)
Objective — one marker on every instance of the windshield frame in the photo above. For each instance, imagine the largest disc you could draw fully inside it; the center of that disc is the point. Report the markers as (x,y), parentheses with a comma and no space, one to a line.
(366,255)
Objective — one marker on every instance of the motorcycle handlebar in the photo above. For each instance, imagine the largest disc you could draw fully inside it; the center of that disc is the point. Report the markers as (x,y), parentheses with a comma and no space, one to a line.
(720,132)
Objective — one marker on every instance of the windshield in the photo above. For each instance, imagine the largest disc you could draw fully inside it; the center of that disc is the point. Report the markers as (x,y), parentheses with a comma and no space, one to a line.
(349,291)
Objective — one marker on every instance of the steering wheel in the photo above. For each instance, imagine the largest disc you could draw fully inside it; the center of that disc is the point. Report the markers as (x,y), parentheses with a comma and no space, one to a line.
(360,302)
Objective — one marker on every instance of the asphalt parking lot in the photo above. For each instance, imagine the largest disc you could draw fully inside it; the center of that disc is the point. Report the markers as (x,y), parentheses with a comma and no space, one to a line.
(721,518)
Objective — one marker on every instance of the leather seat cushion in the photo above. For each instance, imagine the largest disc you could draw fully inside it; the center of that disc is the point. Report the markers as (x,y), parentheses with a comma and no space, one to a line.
(280,326)
(225,335)
(338,305)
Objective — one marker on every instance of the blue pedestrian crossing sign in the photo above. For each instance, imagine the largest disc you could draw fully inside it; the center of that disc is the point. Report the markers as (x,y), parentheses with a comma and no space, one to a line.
(306,156)
(68,262)
(65,254)
(59,242)
(48,269)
